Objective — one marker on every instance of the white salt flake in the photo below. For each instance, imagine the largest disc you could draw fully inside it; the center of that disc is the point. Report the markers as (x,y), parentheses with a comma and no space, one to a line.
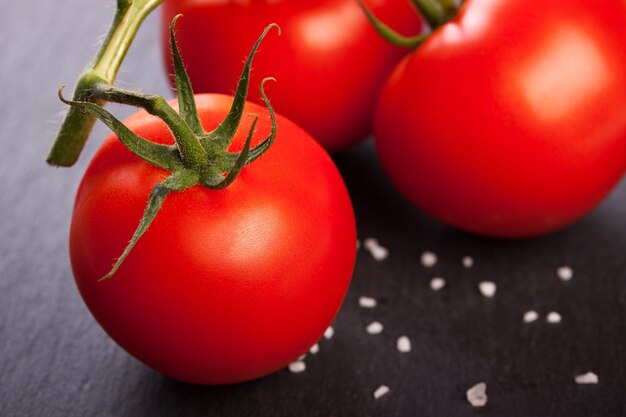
(553,317)
(374,327)
(487,288)
(477,395)
(380,391)
(467,261)
(375,249)
(428,259)
(297,367)
(565,273)
(301,358)
(437,283)
(530,316)
(328,334)
(588,378)
(367,302)
(314,349)
(403,344)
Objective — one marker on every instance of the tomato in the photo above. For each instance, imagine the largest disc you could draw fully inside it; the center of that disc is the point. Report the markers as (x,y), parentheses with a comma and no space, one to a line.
(227,285)
(329,62)
(510,120)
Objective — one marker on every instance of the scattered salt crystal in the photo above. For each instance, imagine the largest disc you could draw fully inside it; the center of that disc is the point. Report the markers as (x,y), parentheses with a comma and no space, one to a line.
(588,378)
(467,261)
(403,344)
(437,283)
(553,317)
(314,349)
(565,273)
(328,334)
(380,391)
(301,358)
(375,249)
(477,395)
(429,259)
(530,316)
(297,367)
(374,327)
(367,302)
(487,288)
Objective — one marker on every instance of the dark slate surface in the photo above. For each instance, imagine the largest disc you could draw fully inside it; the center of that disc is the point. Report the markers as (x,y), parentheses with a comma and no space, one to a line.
(56,361)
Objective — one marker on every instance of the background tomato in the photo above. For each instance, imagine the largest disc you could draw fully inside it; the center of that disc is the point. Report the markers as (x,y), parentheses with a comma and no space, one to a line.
(511,119)
(329,62)
(226,285)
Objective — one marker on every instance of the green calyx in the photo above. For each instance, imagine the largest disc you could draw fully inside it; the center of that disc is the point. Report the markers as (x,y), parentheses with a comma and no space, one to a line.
(197,157)
(434,12)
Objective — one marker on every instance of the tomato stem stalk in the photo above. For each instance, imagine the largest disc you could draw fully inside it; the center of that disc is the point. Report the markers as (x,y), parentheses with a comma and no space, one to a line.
(77,124)
(432,11)
(390,35)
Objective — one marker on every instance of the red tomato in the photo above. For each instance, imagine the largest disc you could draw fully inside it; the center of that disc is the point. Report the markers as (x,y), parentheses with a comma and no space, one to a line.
(511,119)
(329,63)
(226,285)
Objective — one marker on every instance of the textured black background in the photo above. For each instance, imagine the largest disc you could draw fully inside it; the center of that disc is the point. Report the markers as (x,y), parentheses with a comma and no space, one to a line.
(56,361)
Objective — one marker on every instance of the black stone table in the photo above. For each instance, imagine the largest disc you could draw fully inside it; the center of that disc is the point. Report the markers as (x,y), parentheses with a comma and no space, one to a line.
(56,361)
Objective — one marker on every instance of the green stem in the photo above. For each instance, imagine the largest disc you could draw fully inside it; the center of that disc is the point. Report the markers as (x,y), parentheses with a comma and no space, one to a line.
(391,35)
(432,11)
(77,125)
(449,8)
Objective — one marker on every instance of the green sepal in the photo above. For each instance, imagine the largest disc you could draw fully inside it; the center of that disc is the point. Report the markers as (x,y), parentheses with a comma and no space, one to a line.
(242,157)
(191,151)
(160,155)
(178,181)
(224,133)
(260,149)
(184,91)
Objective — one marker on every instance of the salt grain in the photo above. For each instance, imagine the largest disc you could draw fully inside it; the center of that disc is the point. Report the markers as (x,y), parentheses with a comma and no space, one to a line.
(380,391)
(367,302)
(301,358)
(553,317)
(314,349)
(429,259)
(375,249)
(477,395)
(403,344)
(297,367)
(487,288)
(437,283)
(588,378)
(565,273)
(328,334)
(467,261)
(530,316)
(374,327)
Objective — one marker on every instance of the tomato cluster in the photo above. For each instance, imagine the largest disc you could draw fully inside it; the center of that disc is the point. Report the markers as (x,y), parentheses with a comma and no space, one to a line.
(508,120)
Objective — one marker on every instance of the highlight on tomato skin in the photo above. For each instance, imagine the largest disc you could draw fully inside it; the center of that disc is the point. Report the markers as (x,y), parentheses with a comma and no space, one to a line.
(510,120)
(226,285)
(329,63)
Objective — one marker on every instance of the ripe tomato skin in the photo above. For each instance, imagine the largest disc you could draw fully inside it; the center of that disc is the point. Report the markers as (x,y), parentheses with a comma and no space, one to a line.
(329,61)
(510,120)
(226,285)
